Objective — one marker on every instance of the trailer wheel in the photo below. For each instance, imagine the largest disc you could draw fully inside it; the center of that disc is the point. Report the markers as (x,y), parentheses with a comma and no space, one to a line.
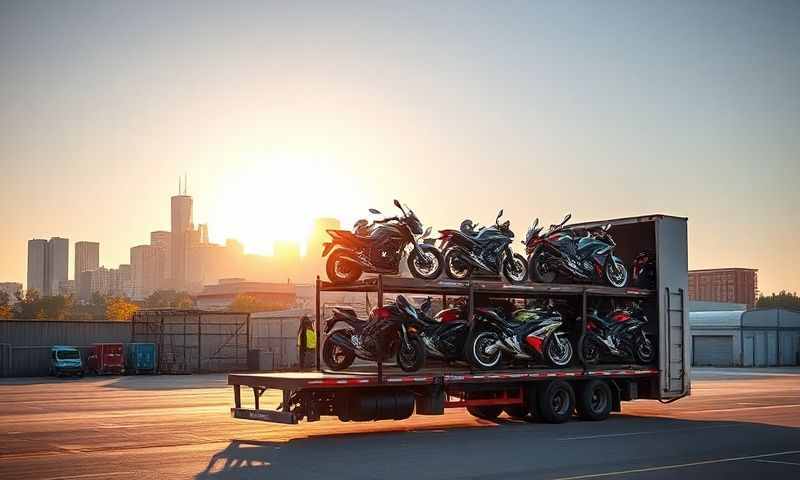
(556,401)
(486,412)
(594,400)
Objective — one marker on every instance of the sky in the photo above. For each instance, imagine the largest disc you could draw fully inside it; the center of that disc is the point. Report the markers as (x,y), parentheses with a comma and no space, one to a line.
(282,112)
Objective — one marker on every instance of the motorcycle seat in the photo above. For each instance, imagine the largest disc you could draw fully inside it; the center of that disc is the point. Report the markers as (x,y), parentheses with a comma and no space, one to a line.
(346,312)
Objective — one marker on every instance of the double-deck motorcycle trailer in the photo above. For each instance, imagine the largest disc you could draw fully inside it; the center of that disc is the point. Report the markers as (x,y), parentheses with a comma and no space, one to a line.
(383,392)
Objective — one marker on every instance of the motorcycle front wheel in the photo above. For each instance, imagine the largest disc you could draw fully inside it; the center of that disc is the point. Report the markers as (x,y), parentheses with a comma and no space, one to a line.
(539,270)
(455,267)
(615,272)
(643,350)
(558,351)
(428,265)
(590,350)
(515,269)
(411,357)
(335,356)
(341,270)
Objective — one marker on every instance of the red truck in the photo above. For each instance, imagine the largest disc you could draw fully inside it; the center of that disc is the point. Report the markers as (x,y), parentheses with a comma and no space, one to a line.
(541,393)
(107,358)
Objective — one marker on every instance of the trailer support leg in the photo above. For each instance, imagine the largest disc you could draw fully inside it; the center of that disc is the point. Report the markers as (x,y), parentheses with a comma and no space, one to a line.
(237,396)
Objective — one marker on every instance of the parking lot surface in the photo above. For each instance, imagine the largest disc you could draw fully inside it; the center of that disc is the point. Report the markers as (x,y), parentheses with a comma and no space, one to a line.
(736,424)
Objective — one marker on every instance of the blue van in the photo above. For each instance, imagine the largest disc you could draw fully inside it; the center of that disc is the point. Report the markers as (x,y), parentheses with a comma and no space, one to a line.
(65,360)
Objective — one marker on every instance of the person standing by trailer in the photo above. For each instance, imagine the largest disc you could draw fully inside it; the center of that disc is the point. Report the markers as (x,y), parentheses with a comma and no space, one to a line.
(306,343)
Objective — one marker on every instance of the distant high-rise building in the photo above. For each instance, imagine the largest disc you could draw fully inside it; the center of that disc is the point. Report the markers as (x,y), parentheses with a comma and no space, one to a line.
(37,265)
(146,261)
(66,287)
(202,231)
(180,239)
(57,264)
(87,258)
(162,240)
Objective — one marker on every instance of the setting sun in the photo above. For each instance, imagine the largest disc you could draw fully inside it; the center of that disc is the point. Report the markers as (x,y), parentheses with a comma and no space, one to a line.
(276,196)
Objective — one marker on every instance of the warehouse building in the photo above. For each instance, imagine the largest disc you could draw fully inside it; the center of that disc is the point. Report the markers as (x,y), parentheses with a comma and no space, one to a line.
(755,338)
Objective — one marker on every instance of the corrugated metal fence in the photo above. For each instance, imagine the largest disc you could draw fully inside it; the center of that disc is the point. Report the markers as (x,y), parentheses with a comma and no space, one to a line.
(25,344)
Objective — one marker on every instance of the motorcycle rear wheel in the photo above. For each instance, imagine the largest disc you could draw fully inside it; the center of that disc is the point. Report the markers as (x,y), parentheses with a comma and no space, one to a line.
(455,267)
(590,350)
(337,357)
(476,350)
(341,270)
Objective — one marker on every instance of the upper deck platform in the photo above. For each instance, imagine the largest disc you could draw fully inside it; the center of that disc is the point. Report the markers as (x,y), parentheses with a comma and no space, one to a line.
(394,284)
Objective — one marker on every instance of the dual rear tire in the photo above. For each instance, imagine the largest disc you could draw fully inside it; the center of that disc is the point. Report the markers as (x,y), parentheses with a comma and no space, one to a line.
(555,402)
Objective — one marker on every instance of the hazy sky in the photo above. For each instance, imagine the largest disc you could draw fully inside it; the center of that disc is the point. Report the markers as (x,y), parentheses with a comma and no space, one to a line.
(281,112)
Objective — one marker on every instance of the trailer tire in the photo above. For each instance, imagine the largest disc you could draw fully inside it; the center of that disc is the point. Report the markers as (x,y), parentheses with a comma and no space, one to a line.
(556,401)
(485,412)
(594,400)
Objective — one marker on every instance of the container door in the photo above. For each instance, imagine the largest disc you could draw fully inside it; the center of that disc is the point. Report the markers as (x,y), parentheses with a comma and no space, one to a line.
(673,279)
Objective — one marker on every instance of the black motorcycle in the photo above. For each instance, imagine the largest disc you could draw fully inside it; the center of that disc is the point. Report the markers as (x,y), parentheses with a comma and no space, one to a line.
(388,332)
(525,334)
(444,334)
(585,254)
(379,248)
(619,334)
(487,249)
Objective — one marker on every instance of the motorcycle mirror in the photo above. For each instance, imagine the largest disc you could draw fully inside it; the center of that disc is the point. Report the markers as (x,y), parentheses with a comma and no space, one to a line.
(606,227)
(499,214)
(535,224)
(397,204)
(566,218)
(426,233)
(374,211)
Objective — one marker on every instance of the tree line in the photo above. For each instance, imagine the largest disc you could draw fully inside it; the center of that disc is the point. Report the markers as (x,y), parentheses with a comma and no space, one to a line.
(30,305)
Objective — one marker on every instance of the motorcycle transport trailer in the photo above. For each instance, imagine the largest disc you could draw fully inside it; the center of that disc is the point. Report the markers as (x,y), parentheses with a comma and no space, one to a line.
(548,394)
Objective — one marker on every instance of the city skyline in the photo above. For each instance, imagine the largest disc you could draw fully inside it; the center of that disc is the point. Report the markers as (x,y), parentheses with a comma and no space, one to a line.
(285,114)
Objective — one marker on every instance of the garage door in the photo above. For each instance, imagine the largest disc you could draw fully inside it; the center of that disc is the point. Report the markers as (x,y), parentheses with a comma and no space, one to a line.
(711,350)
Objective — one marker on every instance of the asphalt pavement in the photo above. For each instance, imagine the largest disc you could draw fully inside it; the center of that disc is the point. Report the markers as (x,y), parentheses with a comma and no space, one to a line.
(736,424)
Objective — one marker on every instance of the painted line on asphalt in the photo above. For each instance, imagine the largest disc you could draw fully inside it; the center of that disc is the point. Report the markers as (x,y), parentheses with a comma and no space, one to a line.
(765,407)
(91,475)
(678,465)
(647,432)
(779,462)
(709,375)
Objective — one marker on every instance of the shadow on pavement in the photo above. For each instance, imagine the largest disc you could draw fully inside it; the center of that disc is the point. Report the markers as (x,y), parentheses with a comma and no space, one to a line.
(513,450)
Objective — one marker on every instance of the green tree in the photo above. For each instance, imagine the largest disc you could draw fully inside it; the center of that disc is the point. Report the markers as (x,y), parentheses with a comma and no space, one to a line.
(27,306)
(5,298)
(249,303)
(169,299)
(784,299)
(6,311)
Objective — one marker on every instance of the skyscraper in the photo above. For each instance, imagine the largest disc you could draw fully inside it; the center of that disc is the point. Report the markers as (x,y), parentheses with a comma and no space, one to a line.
(162,240)
(37,265)
(57,270)
(179,239)
(145,270)
(87,258)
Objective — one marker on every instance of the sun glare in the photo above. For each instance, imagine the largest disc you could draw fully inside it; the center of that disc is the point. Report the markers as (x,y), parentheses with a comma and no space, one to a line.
(276,197)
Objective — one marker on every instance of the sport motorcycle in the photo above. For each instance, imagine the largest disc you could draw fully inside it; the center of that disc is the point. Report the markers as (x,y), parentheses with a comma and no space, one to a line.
(444,334)
(379,248)
(487,249)
(579,254)
(619,334)
(527,334)
(644,270)
(388,332)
